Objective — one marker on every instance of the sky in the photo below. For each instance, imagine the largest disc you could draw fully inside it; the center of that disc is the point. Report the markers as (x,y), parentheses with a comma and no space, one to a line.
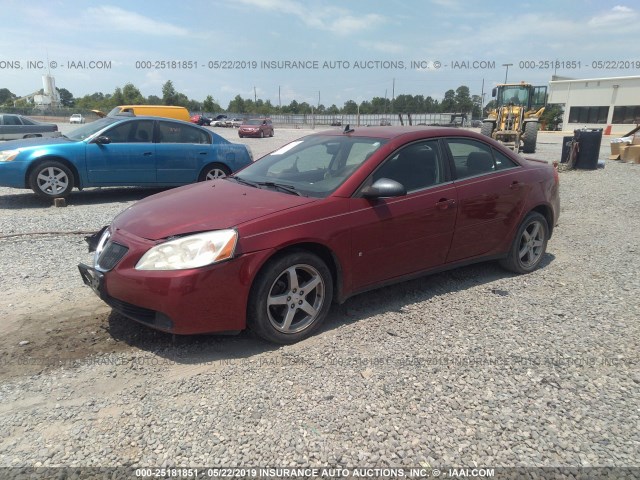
(336,50)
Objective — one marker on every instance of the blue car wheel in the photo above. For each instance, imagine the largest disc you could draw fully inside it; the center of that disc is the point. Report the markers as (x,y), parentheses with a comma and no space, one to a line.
(51,180)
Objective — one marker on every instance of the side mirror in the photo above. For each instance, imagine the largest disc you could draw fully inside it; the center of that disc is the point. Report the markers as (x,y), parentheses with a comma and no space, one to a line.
(384,187)
(494,92)
(103,140)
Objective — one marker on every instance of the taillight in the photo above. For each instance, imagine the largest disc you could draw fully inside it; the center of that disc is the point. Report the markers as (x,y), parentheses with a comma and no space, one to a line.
(556,177)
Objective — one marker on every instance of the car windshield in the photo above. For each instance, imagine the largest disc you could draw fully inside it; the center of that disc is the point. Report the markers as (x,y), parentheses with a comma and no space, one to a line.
(313,166)
(253,122)
(89,129)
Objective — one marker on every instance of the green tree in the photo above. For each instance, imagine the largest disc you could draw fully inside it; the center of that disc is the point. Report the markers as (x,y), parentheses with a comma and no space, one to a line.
(350,107)
(449,102)
(131,95)
(552,116)
(154,100)
(463,102)
(169,94)
(66,97)
(236,105)
(210,105)
(6,97)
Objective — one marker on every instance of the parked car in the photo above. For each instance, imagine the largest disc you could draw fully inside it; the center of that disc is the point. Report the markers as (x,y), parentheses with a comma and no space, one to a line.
(233,122)
(115,151)
(219,121)
(76,118)
(321,219)
(256,127)
(201,120)
(13,127)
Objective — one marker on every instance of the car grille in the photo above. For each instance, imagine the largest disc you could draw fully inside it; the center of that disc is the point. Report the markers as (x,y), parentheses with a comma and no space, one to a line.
(110,256)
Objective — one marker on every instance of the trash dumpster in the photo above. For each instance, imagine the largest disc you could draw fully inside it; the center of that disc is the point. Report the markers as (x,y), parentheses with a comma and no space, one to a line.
(589,140)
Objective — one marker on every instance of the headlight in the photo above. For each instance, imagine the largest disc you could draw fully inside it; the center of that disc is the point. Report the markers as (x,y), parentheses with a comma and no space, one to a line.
(8,155)
(190,252)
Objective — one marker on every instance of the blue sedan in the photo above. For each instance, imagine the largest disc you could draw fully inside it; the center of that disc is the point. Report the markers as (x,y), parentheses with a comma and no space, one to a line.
(118,151)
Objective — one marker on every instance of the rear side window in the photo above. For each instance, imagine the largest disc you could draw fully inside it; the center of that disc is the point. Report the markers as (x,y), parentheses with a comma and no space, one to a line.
(177,133)
(131,132)
(472,158)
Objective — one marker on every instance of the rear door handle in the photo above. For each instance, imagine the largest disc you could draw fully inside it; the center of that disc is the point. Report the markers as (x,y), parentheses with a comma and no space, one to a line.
(203,153)
(515,185)
(146,154)
(445,203)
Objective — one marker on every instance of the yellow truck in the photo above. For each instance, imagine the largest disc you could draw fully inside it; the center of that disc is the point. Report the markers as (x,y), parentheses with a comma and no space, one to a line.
(514,121)
(167,111)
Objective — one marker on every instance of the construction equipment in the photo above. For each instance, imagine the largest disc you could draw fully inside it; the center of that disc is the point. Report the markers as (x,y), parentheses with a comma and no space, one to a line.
(514,122)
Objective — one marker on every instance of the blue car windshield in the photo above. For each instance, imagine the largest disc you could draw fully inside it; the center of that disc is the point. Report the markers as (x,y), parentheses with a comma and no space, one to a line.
(89,129)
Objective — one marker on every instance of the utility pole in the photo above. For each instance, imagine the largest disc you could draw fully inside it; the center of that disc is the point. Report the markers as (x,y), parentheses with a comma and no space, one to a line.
(279,99)
(506,74)
(255,95)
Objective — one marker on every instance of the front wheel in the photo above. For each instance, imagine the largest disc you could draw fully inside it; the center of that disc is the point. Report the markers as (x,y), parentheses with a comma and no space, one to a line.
(530,137)
(290,298)
(51,180)
(213,171)
(529,245)
(486,128)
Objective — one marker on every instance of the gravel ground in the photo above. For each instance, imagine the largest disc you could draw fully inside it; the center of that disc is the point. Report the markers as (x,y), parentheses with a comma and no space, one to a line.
(471,367)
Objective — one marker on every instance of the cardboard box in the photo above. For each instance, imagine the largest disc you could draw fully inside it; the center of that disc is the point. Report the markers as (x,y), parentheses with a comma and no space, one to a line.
(616,150)
(631,154)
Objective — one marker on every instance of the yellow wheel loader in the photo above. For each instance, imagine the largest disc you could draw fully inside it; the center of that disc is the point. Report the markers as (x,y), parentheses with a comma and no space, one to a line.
(514,122)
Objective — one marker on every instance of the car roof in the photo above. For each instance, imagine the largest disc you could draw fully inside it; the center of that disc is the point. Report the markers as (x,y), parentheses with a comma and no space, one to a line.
(398,131)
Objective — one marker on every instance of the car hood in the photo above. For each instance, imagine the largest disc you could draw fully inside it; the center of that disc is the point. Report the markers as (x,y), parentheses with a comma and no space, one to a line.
(34,142)
(205,206)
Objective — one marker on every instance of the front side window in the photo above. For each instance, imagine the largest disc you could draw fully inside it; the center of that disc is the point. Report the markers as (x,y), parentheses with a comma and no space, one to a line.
(314,166)
(416,166)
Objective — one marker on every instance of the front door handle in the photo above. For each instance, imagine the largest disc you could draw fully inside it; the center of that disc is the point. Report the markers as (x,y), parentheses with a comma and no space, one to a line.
(515,185)
(146,154)
(445,203)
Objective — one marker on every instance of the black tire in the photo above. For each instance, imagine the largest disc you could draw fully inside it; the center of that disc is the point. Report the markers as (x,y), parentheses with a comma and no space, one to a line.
(279,309)
(51,179)
(272,133)
(487,128)
(530,137)
(529,245)
(213,171)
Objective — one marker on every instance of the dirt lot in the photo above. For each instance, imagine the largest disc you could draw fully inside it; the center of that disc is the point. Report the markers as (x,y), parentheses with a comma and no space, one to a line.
(68,324)
(471,366)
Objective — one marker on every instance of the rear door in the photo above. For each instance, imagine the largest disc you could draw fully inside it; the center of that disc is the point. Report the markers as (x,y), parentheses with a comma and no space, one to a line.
(183,150)
(491,190)
(397,236)
(129,158)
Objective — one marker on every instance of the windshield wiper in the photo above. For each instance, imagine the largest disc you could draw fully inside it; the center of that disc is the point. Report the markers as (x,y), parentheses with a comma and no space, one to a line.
(243,181)
(285,188)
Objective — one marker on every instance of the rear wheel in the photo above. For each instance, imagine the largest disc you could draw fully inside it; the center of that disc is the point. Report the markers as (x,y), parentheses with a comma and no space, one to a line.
(213,171)
(530,137)
(529,245)
(486,128)
(290,297)
(51,179)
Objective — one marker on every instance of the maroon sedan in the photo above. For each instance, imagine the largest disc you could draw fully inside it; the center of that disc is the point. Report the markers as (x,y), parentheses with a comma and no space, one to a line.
(319,220)
(256,128)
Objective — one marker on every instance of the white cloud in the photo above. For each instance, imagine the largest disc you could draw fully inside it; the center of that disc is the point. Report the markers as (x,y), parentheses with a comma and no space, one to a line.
(120,19)
(333,19)
(618,16)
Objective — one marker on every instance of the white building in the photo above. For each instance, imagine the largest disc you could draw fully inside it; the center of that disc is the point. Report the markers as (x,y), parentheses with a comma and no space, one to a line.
(597,102)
